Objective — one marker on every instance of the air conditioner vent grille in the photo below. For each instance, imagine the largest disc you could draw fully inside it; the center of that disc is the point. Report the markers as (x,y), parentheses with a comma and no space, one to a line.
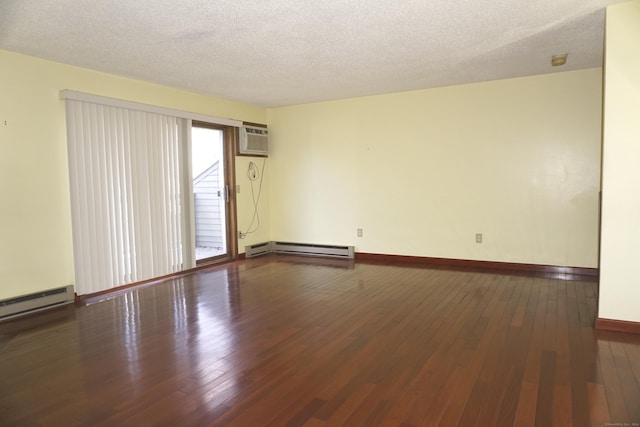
(257,131)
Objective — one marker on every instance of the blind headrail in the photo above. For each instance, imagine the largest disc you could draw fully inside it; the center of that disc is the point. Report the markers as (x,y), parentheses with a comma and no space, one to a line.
(122,103)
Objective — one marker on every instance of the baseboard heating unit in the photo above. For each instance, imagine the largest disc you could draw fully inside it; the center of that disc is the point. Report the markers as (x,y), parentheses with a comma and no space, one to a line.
(36,301)
(333,251)
(257,250)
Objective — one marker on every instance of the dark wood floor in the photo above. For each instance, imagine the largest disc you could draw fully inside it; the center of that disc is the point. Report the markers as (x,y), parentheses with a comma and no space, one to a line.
(287,341)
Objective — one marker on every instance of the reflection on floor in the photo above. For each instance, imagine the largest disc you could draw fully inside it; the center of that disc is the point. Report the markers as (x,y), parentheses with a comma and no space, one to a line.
(203,252)
(280,340)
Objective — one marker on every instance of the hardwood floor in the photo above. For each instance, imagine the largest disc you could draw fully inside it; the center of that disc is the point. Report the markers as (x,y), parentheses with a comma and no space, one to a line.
(289,341)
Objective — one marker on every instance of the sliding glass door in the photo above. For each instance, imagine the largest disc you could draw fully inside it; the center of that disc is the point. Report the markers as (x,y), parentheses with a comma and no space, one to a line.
(141,204)
(212,180)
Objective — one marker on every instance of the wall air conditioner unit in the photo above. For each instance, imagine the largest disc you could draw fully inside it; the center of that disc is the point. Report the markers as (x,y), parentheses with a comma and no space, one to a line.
(253,141)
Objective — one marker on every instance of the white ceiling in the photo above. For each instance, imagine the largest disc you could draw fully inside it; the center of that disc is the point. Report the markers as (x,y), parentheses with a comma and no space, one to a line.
(283,52)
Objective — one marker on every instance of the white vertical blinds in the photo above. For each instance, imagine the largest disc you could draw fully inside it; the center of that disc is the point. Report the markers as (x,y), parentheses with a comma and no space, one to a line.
(127,194)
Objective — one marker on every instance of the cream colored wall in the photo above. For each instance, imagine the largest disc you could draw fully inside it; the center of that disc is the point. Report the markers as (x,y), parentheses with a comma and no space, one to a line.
(260,229)
(619,274)
(421,172)
(35,228)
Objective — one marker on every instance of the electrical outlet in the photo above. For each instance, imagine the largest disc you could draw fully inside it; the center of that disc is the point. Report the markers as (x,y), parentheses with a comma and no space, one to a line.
(241,235)
(359,232)
(478,237)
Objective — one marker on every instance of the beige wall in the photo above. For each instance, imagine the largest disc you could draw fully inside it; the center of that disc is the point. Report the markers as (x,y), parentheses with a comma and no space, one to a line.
(245,200)
(421,172)
(620,276)
(35,227)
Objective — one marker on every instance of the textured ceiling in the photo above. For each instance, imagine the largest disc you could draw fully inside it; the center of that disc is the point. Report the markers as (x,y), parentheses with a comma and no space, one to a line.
(282,52)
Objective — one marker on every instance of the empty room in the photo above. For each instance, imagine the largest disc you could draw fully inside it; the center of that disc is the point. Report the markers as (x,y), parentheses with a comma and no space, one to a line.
(293,213)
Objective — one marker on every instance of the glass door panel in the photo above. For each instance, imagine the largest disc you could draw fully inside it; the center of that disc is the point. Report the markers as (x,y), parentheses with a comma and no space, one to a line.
(211,205)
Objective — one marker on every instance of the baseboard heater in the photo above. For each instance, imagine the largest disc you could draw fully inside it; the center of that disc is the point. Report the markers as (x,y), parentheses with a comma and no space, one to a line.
(333,251)
(37,301)
(257,250)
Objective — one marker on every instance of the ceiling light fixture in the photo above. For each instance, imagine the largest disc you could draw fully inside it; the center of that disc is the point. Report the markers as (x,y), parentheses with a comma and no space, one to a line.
(558,60)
